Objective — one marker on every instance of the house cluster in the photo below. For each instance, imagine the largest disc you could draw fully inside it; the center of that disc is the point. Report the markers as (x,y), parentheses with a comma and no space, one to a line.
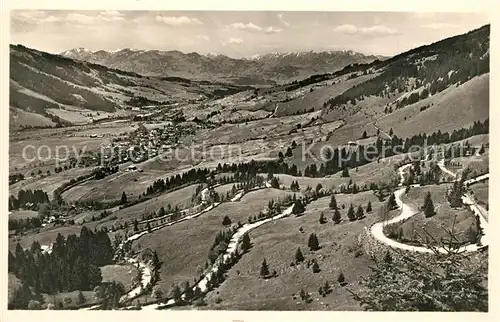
(144,143)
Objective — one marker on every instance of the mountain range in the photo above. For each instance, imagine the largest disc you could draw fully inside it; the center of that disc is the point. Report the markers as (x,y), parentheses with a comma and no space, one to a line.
(58,90)
(259,69)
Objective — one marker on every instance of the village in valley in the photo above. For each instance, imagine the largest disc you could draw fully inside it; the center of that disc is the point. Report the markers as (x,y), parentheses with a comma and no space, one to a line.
(304,180)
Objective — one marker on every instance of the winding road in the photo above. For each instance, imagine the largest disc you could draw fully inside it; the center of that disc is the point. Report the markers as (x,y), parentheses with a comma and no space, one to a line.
(377,230)
(231,250)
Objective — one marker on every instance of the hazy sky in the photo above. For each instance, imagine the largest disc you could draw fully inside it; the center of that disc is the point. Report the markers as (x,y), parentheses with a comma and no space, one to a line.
(237,33)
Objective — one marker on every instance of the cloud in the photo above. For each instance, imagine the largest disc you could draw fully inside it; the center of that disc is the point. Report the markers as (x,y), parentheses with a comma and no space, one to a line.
(111,15)
(28,14)
(253,27)
(280,17)
(376,30)
(51,19)
(37,17)
(439,25)
(235,41)
(346,29)
(81,19)
(34,17)
(179,21)
(203,37)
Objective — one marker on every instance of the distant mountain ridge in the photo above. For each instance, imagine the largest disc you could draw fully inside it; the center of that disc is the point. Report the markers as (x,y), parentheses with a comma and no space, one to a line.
(258,69)
(52,89)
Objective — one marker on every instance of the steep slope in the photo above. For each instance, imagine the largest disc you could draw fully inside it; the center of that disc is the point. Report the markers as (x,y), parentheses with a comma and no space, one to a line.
(389,93)
(423,71)
(453,108)
(264,69)
(74,92)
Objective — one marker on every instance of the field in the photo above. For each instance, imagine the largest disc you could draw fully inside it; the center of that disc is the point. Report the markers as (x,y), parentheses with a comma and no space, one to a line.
(340,252)
(480,191)
(23,214)
(132,183)
(48,183)
(225,188)
(419,228)
(58,298)
(47,236)
(374,172)
(19,119)
(476,164)
(197,235)
(319,95)
(119,273)
(41,149)
(454,108)
(180,198)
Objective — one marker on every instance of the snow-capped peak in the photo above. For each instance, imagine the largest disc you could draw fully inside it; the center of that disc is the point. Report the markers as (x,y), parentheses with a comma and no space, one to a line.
(76,51)
(211,54)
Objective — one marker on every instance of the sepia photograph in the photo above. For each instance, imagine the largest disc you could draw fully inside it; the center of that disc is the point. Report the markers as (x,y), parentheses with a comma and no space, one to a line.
(248,160)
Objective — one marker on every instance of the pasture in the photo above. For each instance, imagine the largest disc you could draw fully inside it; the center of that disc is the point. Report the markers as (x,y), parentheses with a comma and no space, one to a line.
(23,214)
(340,252)
(48,183)
(451,109)
(184,247)
(481,192)
(432,230)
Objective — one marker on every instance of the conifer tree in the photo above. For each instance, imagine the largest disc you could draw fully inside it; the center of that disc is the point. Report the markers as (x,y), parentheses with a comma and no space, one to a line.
(298,207)
(313,242)
(350,213)
(176,294)
(245,243)
(359,213)
(226,221)
(341,279)
(322,219)
(299,257)
(369,207)
(336,216)
(124,198)
(333,202)
(197,292)
(264,269)
(428,206)
(315,267)
(391,202)
(455,195)
(326,288)
(188,291)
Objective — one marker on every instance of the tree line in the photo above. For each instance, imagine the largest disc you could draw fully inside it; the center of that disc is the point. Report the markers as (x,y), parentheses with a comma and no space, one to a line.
(28,199)
(72,265)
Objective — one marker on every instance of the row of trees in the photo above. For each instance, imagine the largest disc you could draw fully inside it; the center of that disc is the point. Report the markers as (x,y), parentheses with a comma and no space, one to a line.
(28,199)
(191,176)
(25,223)
(417,175)
(15,177)
(102,172)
